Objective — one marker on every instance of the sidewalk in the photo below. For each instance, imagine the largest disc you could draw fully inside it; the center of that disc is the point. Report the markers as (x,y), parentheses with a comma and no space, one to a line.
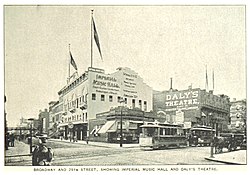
(18,155)
(234,157)
(100,144)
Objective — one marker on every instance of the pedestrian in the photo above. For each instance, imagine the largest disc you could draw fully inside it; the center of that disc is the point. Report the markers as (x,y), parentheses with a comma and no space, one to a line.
(87,140)
(75,139)
(12,140)
(42,155)
(69,137)
(6,141)
(61,137)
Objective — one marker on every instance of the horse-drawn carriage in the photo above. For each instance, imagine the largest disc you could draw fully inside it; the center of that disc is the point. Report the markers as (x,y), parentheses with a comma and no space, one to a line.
(230,141)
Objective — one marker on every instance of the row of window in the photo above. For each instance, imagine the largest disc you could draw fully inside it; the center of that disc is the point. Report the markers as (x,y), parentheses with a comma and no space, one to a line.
(80,100)
(75,103)
(111,99)
(75,118)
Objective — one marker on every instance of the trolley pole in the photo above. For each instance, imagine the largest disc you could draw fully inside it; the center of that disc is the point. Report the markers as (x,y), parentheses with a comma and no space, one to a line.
(212,146)
(31,119)
(121,137)
(121,133)
(212,136)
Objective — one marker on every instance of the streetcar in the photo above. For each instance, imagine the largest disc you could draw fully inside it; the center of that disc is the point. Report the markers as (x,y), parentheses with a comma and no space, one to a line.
(201,136)
(161,135)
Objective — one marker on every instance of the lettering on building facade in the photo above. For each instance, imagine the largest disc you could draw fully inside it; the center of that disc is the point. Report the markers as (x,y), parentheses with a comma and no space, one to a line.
(182,99)
(129,82)
(105,84)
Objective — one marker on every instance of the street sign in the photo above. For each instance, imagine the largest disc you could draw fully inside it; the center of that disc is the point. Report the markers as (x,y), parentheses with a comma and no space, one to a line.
(70,125)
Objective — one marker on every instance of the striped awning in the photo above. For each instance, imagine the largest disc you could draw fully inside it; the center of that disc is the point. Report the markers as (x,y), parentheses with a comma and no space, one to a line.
(106,127)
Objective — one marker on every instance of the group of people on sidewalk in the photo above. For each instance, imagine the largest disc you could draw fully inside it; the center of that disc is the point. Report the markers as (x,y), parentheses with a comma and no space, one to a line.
(73,138)
(9,141)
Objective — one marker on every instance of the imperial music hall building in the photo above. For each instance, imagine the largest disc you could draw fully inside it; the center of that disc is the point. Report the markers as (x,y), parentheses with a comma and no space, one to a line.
(95,92)
(193,107)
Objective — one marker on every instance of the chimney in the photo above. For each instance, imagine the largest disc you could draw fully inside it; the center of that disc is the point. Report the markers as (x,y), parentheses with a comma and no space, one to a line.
(171,85)
(190,87)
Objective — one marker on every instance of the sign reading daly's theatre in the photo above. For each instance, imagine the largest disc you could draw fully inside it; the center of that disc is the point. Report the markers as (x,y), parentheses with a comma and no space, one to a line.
(185,98)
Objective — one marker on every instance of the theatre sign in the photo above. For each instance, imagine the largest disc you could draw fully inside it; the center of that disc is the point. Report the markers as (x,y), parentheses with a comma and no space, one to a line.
(103,83)
(183,99)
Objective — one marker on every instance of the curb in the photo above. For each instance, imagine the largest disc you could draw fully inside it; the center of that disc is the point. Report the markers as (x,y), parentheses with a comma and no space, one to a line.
(223,161)
(97,145)
(80,143)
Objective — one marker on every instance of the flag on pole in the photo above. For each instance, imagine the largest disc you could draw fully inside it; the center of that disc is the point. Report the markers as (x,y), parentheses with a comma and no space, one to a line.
(96,38)
(72,61)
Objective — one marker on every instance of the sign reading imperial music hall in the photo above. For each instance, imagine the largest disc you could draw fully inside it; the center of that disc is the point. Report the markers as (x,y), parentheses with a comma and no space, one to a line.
(185,98)
(103,83)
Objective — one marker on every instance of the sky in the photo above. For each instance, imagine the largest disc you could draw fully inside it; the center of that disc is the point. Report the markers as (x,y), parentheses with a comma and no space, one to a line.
(158,42)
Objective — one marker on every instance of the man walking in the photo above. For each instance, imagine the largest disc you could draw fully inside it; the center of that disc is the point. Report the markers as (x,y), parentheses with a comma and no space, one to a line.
(42,155)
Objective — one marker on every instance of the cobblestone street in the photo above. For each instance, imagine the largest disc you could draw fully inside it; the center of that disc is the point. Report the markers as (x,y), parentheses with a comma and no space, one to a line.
(100,154)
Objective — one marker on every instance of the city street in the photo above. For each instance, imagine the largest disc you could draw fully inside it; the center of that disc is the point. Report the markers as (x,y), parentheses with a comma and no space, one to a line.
(89,155)
(81,154)
(101,86)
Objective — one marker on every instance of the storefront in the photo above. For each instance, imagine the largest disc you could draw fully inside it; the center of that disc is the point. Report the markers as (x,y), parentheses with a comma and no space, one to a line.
(107,126)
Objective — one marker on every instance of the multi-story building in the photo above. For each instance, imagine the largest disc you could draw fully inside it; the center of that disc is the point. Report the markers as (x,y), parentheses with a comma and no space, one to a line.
(43,117)
(95,92)
(55,114)
(193,107)
(238,116)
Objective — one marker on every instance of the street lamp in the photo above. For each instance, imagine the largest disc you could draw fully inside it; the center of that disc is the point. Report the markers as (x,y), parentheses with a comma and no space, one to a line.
(212,120)
(31,119)
(203,117)
(121,136)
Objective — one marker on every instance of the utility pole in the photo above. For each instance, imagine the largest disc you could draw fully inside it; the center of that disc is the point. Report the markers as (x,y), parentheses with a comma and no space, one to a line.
(121,120)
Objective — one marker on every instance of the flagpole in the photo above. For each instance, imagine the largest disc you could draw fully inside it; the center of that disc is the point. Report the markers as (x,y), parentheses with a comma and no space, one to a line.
(206,80)
(213,79)
(69,62)
(91,38)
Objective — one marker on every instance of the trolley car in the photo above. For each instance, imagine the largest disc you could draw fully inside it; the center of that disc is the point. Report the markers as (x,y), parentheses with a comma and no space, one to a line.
(157,136)
(201,136)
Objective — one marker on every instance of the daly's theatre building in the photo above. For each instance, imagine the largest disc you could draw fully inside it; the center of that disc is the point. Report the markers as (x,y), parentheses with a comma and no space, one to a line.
(192,107)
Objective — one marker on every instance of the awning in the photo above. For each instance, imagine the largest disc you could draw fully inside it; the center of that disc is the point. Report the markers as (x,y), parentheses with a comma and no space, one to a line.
(62,124)
(106,127)
(95,130)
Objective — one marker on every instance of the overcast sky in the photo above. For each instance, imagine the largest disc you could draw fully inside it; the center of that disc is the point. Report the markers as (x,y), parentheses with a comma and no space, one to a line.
(158,42)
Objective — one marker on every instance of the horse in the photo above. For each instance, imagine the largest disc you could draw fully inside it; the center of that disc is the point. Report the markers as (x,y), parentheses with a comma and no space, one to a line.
(220,142)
